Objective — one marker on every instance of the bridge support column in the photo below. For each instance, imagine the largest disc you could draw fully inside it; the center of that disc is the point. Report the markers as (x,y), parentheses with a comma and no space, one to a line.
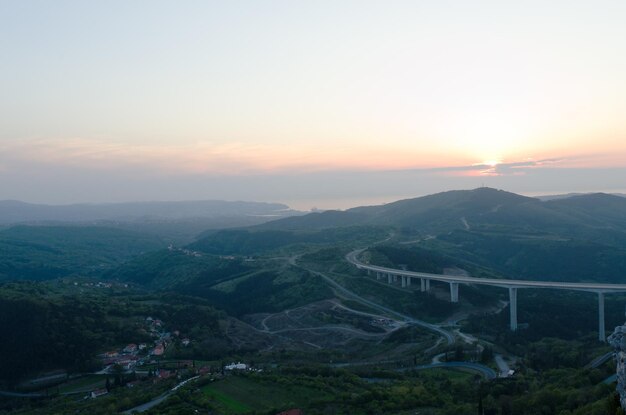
(513,308)
(454,292)
(601,331)
(389,279)
(377,275)
(403,281)
(422,284)
(395,278)
(408,281)
(427,285)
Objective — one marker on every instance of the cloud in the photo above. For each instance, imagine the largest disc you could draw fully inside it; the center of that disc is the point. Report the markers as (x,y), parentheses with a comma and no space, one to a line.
(496,169)
(199,157)
(208,157)
(221,159)
(519,167)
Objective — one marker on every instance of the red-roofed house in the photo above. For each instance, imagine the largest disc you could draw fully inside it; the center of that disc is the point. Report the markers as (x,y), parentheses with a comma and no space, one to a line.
(130,348)
(165,374)
(158,350)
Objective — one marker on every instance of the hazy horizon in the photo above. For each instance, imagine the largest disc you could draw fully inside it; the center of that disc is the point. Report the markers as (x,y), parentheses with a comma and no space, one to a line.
(321,204)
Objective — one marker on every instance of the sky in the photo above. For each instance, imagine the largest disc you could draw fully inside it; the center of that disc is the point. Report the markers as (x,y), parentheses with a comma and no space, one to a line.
(326,104)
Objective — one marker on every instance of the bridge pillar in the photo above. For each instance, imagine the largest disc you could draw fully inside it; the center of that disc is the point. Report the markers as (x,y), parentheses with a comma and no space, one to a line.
(454,292)
(422,284)
(403,281)
(389,279)
(377,275)
(513,308)
(395,277)
(408,281)
(427,285)
(601,332)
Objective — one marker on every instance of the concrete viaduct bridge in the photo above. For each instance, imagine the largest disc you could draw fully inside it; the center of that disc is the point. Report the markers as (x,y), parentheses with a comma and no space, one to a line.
(393,275)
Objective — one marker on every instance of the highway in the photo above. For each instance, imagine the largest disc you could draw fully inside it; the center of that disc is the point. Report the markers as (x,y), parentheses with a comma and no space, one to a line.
(600,360)
(352,257)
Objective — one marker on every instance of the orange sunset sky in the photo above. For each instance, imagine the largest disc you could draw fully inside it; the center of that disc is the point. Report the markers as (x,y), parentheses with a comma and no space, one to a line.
(314,103)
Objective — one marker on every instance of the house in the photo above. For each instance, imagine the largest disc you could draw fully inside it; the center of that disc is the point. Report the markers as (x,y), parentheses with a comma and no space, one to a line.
(142,346)
(127,364)
(111,354)
(185,341)
(158,350)
(98,392)
(130,348)
(164,374)
(236,366)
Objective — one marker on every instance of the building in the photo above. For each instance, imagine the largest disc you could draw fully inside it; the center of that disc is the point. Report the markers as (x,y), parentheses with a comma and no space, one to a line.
(164,374)
(158,350)
(236,366)
(291,412)
(618,341)
(98,392)
(130,348)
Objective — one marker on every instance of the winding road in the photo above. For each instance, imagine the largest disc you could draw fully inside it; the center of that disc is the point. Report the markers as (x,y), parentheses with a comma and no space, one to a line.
(448,336)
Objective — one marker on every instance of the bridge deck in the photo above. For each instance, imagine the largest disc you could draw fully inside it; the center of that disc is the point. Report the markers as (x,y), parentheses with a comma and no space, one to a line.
(580,286)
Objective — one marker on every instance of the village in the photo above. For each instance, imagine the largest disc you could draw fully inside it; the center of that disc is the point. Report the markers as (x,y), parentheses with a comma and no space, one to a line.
(133,364)
(142,362)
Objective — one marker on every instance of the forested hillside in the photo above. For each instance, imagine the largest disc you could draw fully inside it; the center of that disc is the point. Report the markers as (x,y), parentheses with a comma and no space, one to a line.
(46,252)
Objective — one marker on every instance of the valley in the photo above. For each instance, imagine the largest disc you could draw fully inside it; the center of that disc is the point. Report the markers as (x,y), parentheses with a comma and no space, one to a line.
(281,300)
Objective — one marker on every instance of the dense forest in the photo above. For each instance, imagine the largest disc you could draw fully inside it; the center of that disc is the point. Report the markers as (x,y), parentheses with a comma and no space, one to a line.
(57,326)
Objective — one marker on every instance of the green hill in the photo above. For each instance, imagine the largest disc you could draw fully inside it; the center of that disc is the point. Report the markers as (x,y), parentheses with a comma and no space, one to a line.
(168,268)
(46,252)
(597,217)
(255,240)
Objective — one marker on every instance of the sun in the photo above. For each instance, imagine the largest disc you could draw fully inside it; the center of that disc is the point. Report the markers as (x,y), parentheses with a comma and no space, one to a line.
(491,163)
(489,132)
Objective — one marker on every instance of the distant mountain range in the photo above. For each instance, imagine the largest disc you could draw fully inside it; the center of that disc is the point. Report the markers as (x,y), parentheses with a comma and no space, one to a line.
(545,198)
(599,214)
(19,212)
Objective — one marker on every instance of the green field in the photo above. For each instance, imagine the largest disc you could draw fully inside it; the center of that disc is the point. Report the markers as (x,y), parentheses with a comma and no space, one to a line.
(238,395)
(86,383)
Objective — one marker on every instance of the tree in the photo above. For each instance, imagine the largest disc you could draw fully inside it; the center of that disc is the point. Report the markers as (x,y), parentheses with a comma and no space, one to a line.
(118,373)
(458,353)
(486,355)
